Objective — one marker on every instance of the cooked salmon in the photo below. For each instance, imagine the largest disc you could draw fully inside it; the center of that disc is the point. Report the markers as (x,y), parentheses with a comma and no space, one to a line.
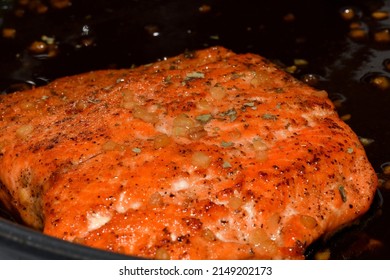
(207,155)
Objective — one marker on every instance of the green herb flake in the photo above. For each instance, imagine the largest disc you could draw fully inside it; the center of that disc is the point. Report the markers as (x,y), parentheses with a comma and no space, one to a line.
(194,75)
(343,193)
(350,150)
(136,150)
(236,76)
(231,113)
(249,104)
(167,80)
(227,144)
(269,117)
(94,101)
(226,164)
(204,118)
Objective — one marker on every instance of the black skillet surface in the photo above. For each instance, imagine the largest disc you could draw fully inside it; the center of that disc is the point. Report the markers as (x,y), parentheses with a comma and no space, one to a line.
(317,40)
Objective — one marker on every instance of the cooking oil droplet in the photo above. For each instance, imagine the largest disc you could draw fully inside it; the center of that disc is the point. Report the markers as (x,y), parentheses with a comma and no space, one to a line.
(311,79)
(378,80)
(153,30)
(350,13)
(386,168)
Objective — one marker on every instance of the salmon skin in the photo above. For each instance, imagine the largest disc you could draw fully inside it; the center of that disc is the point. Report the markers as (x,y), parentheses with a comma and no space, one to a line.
(207,155)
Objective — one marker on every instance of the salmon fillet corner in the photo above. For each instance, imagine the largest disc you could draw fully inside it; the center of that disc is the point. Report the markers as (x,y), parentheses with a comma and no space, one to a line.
(207,155)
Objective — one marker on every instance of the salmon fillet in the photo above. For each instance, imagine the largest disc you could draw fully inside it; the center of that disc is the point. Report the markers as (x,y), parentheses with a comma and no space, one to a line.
(207,155)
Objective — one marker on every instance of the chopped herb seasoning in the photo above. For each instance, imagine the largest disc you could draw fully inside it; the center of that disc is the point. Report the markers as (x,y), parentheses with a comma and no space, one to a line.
(250,105)
(204,118)
(226,164)
(94,101)
(236,76)
(227,144)
(167,80)
(231,113)
(194,75)
(269,117)
(343,193)
(136,150)
(350,150)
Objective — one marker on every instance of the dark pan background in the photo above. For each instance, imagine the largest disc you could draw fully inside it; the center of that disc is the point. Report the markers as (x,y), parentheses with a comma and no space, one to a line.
(98,34)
